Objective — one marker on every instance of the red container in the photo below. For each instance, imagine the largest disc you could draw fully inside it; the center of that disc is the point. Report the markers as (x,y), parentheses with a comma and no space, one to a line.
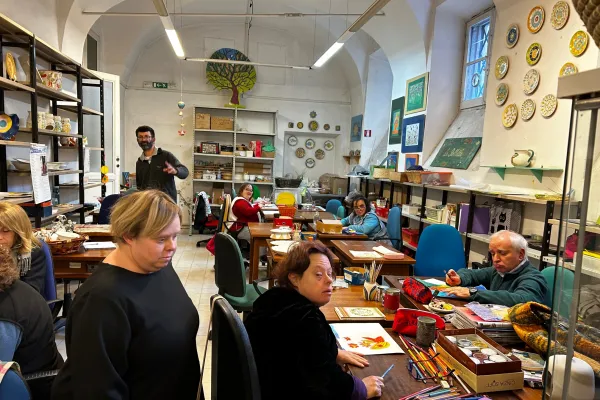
(410,236)
(391,300)
(382,211)
(278,222)
(286,211)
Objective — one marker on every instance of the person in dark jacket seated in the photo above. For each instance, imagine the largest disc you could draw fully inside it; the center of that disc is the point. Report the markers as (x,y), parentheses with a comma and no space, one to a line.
(294,347)
(17,235)
(512,280)
(26,327)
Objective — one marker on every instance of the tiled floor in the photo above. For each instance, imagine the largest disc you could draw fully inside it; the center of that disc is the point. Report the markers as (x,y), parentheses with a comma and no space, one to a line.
(195,269)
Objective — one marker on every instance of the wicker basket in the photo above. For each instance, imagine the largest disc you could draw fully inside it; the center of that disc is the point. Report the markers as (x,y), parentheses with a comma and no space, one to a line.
(287,211)
(398,176)
(59,247)
(413,176)
(381,173)
(287,183)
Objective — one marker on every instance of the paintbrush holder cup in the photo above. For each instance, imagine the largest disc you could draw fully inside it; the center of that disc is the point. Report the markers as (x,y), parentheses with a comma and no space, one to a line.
(369,291)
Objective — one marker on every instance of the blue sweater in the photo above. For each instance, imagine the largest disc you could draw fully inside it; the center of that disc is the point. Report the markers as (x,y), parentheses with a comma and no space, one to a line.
(369,224)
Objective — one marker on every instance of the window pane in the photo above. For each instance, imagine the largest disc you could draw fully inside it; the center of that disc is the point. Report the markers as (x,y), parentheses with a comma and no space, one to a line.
(474,81)
(478,40)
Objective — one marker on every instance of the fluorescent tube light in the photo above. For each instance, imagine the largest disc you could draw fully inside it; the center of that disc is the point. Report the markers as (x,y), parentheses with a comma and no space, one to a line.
(174,39)
(234,62)
(328,54)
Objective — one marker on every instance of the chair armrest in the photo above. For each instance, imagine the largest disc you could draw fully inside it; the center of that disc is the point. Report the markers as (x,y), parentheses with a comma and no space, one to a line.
(40,375)
(256,282)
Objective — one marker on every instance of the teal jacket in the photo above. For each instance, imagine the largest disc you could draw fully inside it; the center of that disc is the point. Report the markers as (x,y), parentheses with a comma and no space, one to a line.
(369,224)
(528,284)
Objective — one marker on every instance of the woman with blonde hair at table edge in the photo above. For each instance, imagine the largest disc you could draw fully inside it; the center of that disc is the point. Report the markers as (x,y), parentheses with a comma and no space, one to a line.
(294,347)
(131,331)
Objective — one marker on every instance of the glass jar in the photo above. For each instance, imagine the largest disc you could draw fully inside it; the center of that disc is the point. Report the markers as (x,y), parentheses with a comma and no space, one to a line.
(41,117)
(391,301)
(66,125)
(49,124)
(57,124)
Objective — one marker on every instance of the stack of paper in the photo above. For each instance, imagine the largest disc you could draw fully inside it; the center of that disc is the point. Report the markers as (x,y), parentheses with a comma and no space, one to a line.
(389,254)
(367,339)
(365,254)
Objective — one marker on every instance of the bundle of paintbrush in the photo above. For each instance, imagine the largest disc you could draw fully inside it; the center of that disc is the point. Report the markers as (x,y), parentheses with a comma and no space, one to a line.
(438,393)
(372,272)
(424,365)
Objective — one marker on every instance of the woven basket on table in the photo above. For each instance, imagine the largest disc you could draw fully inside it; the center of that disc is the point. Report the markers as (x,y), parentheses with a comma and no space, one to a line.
(413,176)
(59,247)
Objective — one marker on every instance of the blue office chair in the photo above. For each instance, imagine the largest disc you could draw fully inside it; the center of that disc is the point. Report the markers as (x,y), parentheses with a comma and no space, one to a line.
(394,227)
(440,248)
(332,206)
(554,275)
(13,386)
(107,204)
(49,292)
(341,212)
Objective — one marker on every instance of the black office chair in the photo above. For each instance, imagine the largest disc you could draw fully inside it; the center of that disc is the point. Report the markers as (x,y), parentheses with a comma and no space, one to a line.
(234,373)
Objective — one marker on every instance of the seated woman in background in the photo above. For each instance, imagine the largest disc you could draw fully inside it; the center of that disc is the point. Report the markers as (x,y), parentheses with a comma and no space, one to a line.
(294,347)
(364,220)
(17,235)
(131,331)
(26,327)
(243,211)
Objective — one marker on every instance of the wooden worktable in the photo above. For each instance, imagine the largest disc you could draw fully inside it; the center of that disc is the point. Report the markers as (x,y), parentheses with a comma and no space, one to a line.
(390,267)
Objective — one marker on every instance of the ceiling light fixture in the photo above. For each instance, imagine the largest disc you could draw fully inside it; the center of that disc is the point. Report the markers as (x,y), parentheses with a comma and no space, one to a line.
(169,28)
(218,61)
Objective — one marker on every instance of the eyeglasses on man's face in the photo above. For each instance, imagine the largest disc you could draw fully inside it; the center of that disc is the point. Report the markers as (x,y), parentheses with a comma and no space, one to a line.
(144,138)
(360,207)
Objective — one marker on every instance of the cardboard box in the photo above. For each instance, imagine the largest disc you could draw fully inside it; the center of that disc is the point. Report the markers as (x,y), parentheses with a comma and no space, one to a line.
(217,196)
(30,209)
(221,123)
(202,121)
(329,226)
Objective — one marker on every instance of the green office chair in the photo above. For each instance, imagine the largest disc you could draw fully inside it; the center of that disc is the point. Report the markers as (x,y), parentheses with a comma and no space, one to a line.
(564,287)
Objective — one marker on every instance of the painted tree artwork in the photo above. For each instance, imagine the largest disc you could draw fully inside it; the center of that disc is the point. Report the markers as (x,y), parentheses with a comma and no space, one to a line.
(235,77)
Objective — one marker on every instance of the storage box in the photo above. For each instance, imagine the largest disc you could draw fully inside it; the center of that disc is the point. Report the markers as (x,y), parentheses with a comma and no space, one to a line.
(436,178)
(381,173)
(30,209)
(410,236)
(398,176)
(209,148)
(354,275)
(202,121)
(283,221)
(221,123)
(329,226)
(481,219)
(434,214)
(413,176)
(411,210)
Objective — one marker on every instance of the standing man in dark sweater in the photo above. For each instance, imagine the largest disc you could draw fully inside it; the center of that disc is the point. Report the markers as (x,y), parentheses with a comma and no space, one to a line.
(156,167)
(512,280)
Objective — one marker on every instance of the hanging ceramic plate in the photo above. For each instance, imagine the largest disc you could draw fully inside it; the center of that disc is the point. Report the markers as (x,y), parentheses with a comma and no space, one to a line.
(509,116)
(548,106)
(292,140)
(501,67)
(560,15)
(310,144)
(9,126)
(535,20)
(313,114)
(534,53)
(320,154)
(11,67)
(527,109)
(512,36)
(338,128)
(329,145)
(568,69)
(300,152)
(501,94)
(531,81)
(290,124)
(475,80)
(579,43)
(300,125)
(326,127)
(313,126)
(310,162)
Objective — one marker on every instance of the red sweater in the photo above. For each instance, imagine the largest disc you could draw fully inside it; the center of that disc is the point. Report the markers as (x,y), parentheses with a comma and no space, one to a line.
(244,212)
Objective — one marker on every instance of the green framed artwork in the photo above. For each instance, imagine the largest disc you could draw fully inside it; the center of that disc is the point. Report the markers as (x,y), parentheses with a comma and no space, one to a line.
(416,94)
(457,153)
(395,136)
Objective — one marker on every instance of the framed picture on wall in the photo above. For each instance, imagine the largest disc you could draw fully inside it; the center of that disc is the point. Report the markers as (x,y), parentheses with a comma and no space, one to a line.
(356,128)
(392,160)
(395,136)
(410,160)
(412,134)
(416,94)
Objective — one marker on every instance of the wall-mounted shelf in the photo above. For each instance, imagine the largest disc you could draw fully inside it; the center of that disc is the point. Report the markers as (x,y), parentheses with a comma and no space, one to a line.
(14,143)
(47,132)
(66,172)
(535,171)
(17,86)
(213,155)
(53,94)
(348,158)
(256,133)
(212,130)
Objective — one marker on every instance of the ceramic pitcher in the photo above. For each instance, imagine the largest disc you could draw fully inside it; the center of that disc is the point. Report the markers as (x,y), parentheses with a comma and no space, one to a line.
(522,158)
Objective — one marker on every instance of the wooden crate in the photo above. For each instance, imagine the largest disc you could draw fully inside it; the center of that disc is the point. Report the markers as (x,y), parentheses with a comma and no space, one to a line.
(202,121)
(221,123)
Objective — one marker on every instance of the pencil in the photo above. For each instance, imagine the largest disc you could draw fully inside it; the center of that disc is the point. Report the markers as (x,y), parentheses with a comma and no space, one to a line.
(415,394)
(387,370)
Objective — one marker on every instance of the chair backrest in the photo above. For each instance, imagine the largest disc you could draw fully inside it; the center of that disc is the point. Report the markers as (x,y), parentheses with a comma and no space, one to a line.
(50,284)
(234,373)
(565,288)
(394,227)
(440,248)
(224,217)
(230,273)
(107,204)
(332,206)
(13,386)
(341,212)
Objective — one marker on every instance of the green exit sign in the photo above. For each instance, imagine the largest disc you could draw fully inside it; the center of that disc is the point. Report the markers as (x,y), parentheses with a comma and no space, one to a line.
(160,85)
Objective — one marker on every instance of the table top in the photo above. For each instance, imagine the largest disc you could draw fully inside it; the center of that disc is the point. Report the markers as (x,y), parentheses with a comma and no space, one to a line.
(351,297)
(278,257)
(344,247)
(395,281)
(94,255)
(301,216)
(260,229)
(336,236)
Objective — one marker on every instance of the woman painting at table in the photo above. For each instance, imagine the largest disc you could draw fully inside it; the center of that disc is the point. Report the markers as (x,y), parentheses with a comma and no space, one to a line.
(131,331)
(364,220)
(243,211)
(294,347)
(17,235)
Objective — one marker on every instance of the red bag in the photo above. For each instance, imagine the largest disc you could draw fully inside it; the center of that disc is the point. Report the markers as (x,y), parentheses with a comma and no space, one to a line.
(405,321)
(210,246)
(416,290)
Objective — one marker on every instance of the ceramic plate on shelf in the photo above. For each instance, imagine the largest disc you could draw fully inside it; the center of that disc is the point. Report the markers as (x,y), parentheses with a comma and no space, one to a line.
(568,69)
(292,140)
(310,144)
(313,126)
(535,20)
(531,81)
(548,106)
(9,126)
(501,94)
(527,109)
(290,124)
(560,14)
(313,114)
(509,116)
(326,127)
(11,67)
(338,128)
(534,53)
(310,162)
(300,152)
(300,125)
(320,154)
(501,67)
(329,145)
(579,43)
(512,36)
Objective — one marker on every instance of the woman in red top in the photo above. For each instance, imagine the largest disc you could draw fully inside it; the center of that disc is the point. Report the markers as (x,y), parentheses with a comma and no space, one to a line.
(242,210)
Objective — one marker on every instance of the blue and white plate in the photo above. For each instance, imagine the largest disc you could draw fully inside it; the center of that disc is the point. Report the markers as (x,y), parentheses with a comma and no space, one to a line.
(9,126)
(512,36)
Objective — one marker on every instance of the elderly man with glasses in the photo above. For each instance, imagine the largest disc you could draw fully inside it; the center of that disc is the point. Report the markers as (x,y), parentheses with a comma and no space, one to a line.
(156,167)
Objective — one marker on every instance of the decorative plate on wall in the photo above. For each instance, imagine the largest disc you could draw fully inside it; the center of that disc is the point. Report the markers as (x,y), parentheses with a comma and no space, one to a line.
(512,36)
(534,53)
(579,43)
(338,128)
(313,126)
(535,20)
(568,69)
(326,127)
(501,67)
(300,152)
(548,106)
(11,67)
(292,140)
(290,124)
(320,154)
(560,14)
(313,114)
(527,109)
(310,162)
(300,125)
(310,144)
(509,116)
(531,81)
(501,94)
(329,145)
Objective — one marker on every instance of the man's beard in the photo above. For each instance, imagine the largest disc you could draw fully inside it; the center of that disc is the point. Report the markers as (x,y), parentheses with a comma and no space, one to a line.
(146,145)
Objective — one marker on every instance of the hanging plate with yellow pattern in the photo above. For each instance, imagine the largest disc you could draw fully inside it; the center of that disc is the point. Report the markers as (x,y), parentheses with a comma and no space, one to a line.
(579,43)
(509,116)
(568,69)
(534,53)
(501,67)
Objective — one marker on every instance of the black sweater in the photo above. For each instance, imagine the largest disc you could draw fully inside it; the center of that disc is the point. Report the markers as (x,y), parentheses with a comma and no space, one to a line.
(150,175)
(36,276)
(130,336)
